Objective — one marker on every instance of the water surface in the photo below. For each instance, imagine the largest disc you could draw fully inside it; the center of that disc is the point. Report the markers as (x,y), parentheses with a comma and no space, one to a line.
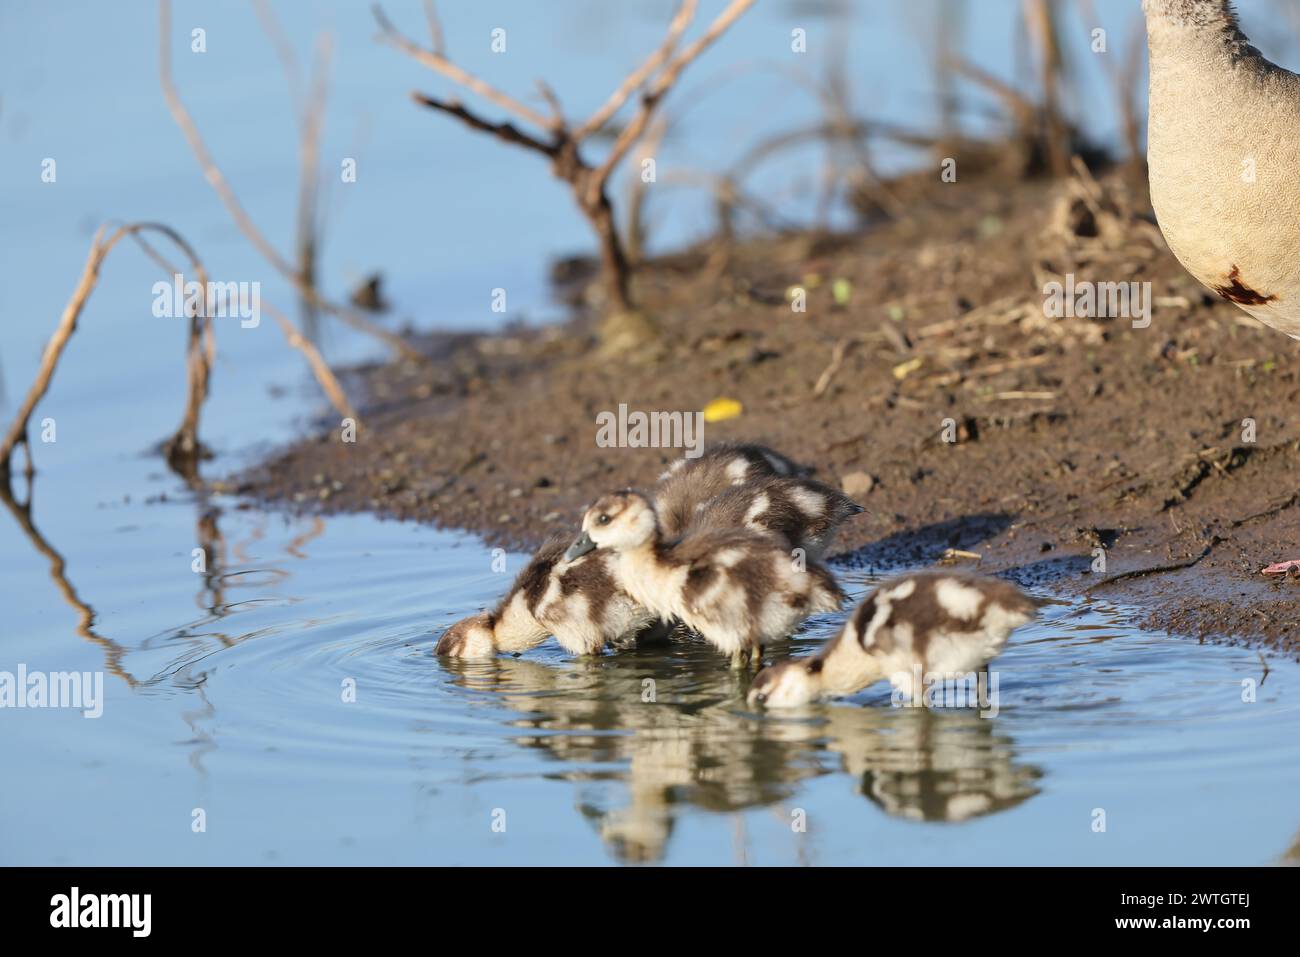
(238,709)
(225,689)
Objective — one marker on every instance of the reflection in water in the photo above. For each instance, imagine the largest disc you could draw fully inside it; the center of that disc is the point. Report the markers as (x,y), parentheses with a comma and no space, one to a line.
(211,595)
(22,513)
(928,765)
(694,744)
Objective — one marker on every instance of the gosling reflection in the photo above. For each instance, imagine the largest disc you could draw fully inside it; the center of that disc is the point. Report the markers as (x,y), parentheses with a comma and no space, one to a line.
(929,765)
(681,729)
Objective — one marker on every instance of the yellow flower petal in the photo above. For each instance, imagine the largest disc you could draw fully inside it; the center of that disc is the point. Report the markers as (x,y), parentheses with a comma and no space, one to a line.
(904,369)
(719,410)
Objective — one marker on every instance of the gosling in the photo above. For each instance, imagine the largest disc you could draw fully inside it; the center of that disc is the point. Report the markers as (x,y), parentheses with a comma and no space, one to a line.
(737,588)
(802,513)
(576,601)
(931,622)
(689,483)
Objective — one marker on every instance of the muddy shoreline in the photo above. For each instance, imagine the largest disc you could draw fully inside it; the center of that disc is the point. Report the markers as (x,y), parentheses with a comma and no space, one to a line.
(924,375)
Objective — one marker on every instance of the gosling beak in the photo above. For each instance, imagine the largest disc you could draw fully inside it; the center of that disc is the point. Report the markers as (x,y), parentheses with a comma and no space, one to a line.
(580,547)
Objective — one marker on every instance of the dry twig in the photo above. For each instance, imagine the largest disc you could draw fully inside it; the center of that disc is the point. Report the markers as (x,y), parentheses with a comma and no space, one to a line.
(554,138)
(217,179)
(183,448)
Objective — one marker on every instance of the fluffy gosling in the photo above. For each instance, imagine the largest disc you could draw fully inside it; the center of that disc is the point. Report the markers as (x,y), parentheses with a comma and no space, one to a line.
(689,483)
(575,600)
(802,513)
(737,588)
(934,622)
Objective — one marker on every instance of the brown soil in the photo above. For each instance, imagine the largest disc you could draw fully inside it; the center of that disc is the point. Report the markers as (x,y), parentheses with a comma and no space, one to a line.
(1072,434)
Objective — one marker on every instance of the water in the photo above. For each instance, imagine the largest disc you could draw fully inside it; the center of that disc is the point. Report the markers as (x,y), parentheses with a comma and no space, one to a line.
(225,691)
(237,708)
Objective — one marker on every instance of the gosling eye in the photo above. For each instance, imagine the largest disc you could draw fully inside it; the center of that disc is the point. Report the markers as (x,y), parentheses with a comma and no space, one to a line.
(603,520)
(760,697)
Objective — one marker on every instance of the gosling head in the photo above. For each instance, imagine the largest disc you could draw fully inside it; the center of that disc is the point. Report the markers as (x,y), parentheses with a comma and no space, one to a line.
(788,684)
(470,637)
(620,520)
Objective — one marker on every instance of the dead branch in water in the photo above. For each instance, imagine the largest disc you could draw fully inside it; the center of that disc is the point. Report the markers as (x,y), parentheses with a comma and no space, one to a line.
(319,367)
(212,172)
(183,449)
(309,103)
(554,138)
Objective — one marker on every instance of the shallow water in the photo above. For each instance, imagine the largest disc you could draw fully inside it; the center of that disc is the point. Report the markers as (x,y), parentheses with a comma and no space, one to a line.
(224,691)
(238,710)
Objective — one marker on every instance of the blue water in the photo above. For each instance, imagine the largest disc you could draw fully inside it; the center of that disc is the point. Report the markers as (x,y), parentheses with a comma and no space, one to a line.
(225,693)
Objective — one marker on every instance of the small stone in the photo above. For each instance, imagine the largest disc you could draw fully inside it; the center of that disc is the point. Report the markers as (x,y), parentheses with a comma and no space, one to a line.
(857,484)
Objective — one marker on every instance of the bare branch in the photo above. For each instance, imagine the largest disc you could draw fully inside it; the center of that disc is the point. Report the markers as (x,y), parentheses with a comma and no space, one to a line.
(283,49)
(319,367)
(218,181)
(505,131)
(99,249)
(435,61)
(312,122)
(1017,105)
(685,14)
(553,101)
(654,77)
(663,83)
(211,171)
(435,28)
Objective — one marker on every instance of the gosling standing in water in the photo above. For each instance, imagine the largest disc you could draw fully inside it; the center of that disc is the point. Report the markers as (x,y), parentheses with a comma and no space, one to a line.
(576,600)
(737,588)
(932,622)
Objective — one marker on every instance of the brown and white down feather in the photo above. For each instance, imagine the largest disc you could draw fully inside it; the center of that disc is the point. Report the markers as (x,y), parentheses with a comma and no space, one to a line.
(942,623)
(689,483)
(576,601)
(799,511)
(737,588)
